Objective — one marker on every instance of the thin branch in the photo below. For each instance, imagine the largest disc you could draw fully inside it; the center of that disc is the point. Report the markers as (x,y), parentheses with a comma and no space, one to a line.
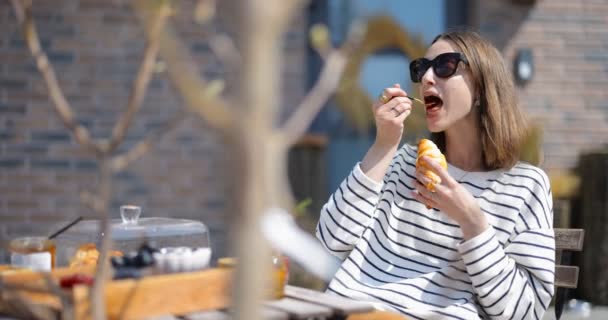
(23,12)
(140,85)
(66,301)
(320,40)
(224,49)
(325,86)
(221,44)
(21,308)
(21,304)
(102,271)
(299,121)
(184,74)
(54,287)
(122,161)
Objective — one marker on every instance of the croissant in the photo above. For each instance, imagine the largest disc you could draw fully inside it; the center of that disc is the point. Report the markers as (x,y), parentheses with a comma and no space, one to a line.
(429,148)
(87,255)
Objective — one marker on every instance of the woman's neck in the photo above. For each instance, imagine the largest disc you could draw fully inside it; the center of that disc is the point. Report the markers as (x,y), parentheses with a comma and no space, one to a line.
(463,149)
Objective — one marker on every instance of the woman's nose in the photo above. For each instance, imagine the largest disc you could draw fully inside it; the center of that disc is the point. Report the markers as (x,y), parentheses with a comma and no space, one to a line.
(428,77)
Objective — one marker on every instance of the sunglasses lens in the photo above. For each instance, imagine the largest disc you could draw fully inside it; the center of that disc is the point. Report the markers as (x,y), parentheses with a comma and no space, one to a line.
(417,69)
(445,66)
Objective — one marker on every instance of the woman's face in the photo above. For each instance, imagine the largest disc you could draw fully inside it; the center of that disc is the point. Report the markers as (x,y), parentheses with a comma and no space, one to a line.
(448,101)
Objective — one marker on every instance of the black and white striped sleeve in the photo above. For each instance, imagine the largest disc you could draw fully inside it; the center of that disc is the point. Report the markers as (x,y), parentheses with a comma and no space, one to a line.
(514,281)
(347,213)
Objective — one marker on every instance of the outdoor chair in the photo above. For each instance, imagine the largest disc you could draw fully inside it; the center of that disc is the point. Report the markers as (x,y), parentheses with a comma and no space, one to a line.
(566,276)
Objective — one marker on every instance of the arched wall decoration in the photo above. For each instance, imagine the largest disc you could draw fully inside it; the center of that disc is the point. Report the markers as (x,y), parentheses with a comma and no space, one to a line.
(382,33)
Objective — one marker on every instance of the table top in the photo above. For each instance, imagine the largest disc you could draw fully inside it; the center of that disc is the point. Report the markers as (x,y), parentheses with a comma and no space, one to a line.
(298,303)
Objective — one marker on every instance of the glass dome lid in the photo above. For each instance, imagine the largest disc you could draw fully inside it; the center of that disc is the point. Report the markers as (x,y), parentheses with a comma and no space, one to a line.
(131,227)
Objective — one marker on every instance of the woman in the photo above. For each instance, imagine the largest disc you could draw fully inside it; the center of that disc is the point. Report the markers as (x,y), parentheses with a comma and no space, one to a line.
(485,249)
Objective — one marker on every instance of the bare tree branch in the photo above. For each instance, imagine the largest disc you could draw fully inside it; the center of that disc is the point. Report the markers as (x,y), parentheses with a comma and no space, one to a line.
(54,287)
(15,303)
(320,40)
(20,307)
(224,49)
(142,80)
(23,12)
(122,161)
(102,271)
(221,44)
(184,74)
(325,86)
(299,121)
(155,19)
(37,311)
(66,301)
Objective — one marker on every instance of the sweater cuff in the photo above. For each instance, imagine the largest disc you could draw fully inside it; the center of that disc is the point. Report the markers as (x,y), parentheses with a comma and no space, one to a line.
(483,256)
(365,180)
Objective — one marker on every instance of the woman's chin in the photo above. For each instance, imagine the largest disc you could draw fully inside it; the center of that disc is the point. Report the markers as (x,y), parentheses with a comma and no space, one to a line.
(434,127)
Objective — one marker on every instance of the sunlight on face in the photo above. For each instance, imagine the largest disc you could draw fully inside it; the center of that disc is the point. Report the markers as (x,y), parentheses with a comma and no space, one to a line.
(456,94)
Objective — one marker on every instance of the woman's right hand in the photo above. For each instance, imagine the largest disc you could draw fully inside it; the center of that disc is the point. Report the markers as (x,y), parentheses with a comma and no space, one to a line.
(390,111)
(389,115)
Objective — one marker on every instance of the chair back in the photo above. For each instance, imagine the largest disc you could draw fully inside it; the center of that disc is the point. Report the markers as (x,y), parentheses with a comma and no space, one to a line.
(566,276)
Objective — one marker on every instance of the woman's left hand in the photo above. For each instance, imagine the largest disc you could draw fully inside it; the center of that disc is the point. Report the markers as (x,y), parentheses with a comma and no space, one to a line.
(451,198)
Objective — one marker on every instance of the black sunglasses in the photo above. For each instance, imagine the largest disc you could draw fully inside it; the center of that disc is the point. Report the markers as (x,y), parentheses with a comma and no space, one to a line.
(444,65)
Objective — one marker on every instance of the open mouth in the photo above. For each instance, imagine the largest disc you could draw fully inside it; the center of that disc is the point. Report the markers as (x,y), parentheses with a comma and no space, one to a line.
(432,103)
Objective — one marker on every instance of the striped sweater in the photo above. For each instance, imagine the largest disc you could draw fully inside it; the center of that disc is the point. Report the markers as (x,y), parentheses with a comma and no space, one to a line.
(404,257)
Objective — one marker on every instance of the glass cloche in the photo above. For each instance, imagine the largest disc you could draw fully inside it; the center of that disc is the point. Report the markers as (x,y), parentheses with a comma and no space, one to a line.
(130,232)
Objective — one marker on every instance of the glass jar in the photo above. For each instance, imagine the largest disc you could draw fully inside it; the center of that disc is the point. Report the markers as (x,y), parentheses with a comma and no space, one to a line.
(280,273)
(280,265)
(36,253)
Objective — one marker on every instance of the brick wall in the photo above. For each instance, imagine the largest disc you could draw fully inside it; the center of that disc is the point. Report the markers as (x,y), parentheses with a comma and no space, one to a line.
(569,92)
(96,47)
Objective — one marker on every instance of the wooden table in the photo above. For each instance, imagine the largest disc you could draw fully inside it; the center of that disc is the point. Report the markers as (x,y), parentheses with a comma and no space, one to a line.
(298,303)
(182,295)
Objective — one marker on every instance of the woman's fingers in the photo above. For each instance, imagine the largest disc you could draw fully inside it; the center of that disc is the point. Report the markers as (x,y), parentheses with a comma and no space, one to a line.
(439,192)
(388,94)
(392,92)
(402,105)
(439,170)
(424,196)
(395,107)
(422,178)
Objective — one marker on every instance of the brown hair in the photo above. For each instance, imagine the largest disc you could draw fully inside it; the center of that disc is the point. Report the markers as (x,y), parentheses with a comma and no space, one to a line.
(502,123)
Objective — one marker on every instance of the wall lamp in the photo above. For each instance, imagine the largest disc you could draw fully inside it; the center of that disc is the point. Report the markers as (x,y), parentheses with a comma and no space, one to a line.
(523,66)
